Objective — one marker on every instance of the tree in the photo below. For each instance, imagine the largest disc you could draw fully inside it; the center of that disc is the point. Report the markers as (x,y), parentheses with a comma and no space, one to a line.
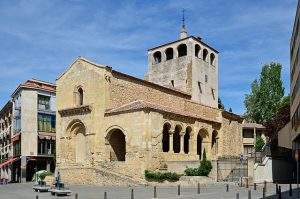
(266,94)
(259,143)
(220,104)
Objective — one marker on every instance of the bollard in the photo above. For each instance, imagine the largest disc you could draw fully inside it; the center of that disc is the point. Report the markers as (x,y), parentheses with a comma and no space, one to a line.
(255,186)
(105,195)
(155,193)
(247,183)
(227,187)
(291,190)
(132,194)
(249,194)
(279,192)
(237,196)
(276,188)
(76,195)
(36,197)
(198,188)
(265,186)
(178,190)
(264,193)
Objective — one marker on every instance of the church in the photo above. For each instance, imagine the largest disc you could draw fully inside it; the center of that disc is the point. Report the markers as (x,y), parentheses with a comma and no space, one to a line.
(111,126)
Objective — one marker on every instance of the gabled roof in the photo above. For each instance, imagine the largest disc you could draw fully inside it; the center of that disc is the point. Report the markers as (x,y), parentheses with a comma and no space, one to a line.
(82,59)
(36,85)
(139,105)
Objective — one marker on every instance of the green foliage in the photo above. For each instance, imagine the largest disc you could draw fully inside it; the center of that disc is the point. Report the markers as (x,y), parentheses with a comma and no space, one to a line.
(161,176)
(220,104)
(41,175)
(259,143)
(203,170)
(266,94)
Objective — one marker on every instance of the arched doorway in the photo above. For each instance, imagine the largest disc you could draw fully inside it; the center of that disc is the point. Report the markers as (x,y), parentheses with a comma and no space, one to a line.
(116,139)
(166,137)
(176,139)
(201,137)
(186,139)
(78,134)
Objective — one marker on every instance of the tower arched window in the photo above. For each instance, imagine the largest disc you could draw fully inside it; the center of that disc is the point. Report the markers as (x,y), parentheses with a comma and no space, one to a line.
(197,50)
(205,53)
(182,50)
(79,97)
(212,59)
(157,57)
(169,53)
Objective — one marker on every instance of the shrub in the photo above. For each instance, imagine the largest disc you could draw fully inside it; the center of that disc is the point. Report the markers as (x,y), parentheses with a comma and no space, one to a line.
(203,170)
(259,143)
(161,176)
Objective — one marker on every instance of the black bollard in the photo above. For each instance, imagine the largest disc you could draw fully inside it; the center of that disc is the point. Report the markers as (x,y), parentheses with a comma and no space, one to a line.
(227,187)
(132,194)
(247,183)
(255,186)
(178,190)
(276,188)
(279,192)
(264,193)
(155,193)
(237,196)
(291,190)
(105,195)
(36,197)
(198,188)
(76,195)
(265,186)
(249,194)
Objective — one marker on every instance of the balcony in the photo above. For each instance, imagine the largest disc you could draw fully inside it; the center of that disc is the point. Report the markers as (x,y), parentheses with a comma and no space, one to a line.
(248,141)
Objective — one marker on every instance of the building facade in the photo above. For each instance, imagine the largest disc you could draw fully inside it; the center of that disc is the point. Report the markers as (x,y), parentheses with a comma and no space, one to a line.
(111,126)
(6,149)
(295,81)
(250,132)
(31,130)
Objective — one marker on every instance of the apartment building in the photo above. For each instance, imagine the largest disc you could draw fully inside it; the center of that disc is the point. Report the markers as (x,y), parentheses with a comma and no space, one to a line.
(6,151)
(295,81)
(250,132)
(28,131)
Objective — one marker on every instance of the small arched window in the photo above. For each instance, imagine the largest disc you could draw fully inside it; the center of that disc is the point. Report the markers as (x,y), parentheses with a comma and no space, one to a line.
(212,59)
(169,53)
(182,50)
(197,50)
(157,57)
(80,96)
(205,53)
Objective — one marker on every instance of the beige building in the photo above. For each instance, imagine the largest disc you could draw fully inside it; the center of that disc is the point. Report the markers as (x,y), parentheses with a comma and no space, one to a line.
(295,82)
(250,132)
(111,127)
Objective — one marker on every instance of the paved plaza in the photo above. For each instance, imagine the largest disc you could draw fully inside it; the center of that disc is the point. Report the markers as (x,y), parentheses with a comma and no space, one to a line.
(215,191)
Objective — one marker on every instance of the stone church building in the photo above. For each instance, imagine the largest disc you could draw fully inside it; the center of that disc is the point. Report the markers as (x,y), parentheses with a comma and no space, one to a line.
(111,126)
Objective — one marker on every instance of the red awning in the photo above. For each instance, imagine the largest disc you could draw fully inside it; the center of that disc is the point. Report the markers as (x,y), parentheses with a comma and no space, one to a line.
(9,161)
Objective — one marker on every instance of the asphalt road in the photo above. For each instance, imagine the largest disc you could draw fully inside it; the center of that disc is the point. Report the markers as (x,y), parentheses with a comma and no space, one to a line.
(216,191)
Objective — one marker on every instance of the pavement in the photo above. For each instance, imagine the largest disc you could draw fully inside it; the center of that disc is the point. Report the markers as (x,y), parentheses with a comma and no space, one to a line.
(213,191)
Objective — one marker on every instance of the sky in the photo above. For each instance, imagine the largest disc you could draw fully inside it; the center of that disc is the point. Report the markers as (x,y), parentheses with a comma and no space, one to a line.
(41,38)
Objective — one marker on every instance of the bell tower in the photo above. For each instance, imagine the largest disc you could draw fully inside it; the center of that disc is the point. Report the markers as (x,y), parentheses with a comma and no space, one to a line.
(187,64)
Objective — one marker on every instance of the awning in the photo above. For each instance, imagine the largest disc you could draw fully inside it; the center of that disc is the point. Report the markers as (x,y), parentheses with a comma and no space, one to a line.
(9,161)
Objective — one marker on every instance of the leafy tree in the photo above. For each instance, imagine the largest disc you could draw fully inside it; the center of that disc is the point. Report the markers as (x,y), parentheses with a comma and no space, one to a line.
(259,143)
(220,104)
(266,94)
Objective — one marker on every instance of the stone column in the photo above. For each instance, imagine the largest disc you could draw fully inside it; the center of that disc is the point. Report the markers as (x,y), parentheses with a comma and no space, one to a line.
(181,142)
(171,141)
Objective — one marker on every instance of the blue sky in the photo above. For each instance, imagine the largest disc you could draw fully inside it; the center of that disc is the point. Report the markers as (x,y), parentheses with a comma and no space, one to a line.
(39,39)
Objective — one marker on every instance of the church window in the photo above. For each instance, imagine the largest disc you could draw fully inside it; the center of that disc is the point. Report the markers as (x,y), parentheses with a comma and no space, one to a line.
(80,97)
(157,57)
(182,50)
(169,53)
(197,50)
(205,53)
(212,59)
(213,93)
(200,87)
